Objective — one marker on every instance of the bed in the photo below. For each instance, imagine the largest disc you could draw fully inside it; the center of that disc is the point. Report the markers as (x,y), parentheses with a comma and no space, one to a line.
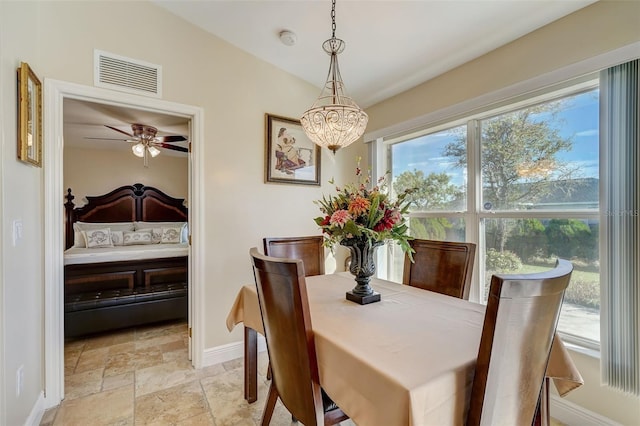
(125,260)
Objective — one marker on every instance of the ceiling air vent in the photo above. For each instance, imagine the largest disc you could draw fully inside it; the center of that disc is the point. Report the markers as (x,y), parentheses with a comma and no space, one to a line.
(127,75)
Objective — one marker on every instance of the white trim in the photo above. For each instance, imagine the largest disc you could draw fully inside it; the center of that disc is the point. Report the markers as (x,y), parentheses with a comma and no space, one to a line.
(54,94)
(230,351)
(605,60)
(197,224)
(573,414)
(37,412)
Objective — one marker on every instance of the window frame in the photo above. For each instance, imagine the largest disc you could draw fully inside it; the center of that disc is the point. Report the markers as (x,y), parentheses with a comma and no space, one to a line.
(474,213)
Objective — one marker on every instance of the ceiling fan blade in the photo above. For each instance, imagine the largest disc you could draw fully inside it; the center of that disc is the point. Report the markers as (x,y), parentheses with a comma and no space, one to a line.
(118,130)
(108,139)
(173,147)
(170,138)
(114,139)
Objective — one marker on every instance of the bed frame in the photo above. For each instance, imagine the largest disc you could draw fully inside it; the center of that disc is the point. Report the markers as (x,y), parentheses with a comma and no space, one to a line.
(110,295)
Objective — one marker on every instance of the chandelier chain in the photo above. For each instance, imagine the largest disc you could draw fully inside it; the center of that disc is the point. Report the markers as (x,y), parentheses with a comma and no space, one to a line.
(334,120)
(333,19)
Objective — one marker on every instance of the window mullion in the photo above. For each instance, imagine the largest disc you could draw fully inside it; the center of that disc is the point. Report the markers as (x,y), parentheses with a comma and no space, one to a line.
(472,218)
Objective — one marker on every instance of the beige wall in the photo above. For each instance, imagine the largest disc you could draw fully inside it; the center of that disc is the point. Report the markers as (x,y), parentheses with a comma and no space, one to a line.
(592,31)
(233,88)
(96,172)
(21,274)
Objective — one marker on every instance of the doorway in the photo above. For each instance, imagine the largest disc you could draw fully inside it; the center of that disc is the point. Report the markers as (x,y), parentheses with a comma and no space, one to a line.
(56,92)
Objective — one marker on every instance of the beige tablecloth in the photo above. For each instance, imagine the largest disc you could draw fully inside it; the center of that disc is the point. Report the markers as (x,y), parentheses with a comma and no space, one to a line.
(407,360)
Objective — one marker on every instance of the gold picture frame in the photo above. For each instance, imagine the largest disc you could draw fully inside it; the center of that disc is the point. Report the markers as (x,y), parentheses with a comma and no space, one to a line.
(29,116)
(290,156)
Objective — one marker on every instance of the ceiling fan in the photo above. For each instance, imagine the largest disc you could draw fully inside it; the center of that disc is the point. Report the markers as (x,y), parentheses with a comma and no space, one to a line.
(146,141)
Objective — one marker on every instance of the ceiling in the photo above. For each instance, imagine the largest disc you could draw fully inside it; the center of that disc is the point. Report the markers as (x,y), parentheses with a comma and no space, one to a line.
(391,46)
(85,126)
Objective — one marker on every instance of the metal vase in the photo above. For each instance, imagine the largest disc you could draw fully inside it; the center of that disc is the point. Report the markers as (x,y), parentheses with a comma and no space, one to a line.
(363,265)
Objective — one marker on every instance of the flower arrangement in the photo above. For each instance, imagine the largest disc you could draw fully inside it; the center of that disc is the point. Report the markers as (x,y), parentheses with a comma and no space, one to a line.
(357,212)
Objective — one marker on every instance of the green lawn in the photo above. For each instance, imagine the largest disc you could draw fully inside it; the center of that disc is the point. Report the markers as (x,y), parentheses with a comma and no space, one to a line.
(584,288)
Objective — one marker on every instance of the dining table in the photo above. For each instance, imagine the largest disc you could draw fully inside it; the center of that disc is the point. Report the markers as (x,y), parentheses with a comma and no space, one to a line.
(406,360)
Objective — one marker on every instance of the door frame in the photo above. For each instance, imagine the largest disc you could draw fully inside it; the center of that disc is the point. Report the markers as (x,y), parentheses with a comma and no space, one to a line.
(53,213)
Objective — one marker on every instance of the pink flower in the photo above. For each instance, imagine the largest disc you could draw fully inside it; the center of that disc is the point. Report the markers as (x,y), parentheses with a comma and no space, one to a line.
(339,218)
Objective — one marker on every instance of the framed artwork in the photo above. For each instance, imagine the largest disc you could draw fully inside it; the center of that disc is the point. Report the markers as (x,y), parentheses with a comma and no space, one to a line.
(290,156)
(29,116)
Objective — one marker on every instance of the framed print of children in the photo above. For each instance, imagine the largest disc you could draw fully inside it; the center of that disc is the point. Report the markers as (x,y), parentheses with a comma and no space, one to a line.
(291,156)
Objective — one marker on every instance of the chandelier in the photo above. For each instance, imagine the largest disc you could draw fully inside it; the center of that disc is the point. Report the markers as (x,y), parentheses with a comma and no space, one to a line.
(334,120)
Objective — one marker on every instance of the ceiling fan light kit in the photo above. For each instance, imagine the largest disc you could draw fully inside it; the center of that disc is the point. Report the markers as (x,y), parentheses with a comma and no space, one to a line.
(138,150)
(334,120)
(153,151)
(147,143)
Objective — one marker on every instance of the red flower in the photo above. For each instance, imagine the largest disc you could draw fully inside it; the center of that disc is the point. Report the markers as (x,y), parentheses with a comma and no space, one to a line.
(391,217)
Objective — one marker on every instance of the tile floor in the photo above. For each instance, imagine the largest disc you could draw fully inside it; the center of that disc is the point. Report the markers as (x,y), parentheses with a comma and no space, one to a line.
(143,376)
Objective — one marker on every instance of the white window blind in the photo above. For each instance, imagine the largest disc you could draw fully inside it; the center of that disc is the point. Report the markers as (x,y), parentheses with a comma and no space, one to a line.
(620,219)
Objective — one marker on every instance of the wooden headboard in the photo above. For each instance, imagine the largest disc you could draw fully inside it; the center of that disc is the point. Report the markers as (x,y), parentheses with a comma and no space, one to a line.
(125,204)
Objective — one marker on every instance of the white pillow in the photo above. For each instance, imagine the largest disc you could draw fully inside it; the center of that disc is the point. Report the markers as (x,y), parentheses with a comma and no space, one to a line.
(136,237)
(78,227)
(184,234)
(156,234)
(98,238)
(171,235)
(117,238)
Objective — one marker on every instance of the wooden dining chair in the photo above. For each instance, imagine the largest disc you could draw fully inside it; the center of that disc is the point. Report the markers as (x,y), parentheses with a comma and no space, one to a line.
(442,266)
(519,325)
(309,249)
(282,296)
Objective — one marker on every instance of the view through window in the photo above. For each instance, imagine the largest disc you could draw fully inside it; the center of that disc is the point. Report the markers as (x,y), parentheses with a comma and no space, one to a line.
(524,185)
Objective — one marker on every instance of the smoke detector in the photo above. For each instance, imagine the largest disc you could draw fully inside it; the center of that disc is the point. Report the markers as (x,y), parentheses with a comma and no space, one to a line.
(288,38)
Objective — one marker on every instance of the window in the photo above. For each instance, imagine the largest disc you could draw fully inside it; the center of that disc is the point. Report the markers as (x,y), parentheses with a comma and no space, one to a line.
(521,182)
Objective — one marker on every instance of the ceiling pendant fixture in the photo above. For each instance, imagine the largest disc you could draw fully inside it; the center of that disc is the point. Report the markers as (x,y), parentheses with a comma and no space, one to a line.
(334,120)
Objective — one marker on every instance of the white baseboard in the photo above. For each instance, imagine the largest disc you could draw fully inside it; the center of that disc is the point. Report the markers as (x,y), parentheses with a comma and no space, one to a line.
(229,352)
(37,412)
(575,415)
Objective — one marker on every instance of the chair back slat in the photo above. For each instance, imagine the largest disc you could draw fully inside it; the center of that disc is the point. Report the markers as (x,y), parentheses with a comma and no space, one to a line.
(519,325)
(309,249)
(442,266)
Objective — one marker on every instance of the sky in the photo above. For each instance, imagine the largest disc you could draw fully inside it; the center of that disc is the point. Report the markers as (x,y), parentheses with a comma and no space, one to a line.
(580,124)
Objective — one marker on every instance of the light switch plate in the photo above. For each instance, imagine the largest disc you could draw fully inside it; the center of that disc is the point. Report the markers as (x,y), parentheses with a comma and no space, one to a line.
(17,231)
